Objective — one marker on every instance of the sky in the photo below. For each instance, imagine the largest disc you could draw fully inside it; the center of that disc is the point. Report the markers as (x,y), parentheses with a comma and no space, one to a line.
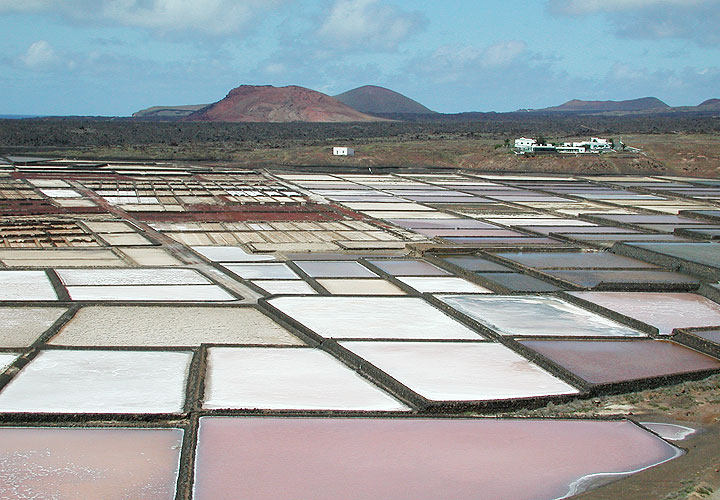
(115,57)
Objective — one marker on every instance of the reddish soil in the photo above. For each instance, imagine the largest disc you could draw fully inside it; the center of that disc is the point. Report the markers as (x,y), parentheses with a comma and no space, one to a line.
(250,103)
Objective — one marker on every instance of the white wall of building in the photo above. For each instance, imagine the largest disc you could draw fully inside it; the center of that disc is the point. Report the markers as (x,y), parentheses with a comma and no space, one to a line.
(343,151)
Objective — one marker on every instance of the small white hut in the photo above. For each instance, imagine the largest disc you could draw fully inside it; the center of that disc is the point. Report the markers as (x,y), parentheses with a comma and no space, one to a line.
(341,151)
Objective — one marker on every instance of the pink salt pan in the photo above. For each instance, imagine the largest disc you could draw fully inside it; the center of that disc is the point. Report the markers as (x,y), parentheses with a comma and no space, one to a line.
(664,311)
(415,459)
(80,464)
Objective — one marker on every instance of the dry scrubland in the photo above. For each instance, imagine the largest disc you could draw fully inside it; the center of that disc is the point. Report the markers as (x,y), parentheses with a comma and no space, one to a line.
(671,145)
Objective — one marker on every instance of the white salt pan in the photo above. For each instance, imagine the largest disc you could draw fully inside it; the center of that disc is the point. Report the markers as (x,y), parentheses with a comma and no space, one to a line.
(373,317)
(26,285)
(99,382)
(292,379)
(80,277)
(230,254)
(445,371)
(171,293)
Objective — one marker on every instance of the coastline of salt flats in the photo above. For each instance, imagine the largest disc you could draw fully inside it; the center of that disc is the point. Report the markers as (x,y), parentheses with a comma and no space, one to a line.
(21,326)
(26,286)
(112,464)
(373,317)
(66,381)
(417,459)
(443,371)
(527,315)
(117,326)
(170,293)
(288,379)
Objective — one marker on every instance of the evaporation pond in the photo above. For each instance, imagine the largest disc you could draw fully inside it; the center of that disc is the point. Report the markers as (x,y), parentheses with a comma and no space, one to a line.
(625,278)
(536,316)
(473,263)
(446,371)
(586,260)
(711,335)
(288,379)
(230,254)
(702,253)
(607,362)
(373,318)
(516,282)
(108,464)
(285,287)
(129,277)
(170,326)
(275,271)
(442,284)
(65,381)
(664,311)
(415,459)
(335,269)
(26,285)
(165,293)
(409,268)
(360,286)
(21,326)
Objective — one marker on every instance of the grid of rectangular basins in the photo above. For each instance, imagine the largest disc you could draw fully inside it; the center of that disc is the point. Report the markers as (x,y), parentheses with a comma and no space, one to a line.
(428,294)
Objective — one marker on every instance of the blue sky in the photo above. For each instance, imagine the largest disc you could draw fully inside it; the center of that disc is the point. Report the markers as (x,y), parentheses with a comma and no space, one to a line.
(114,57)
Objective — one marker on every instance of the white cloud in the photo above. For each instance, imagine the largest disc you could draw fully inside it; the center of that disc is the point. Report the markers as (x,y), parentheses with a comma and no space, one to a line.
(369,24)
(214,17)
(452,63)
(579,7)
(503,53)
(40,56)
(695,20)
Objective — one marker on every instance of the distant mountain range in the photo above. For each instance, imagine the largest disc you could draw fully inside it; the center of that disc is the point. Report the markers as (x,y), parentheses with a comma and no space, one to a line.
(265,103)
(642,104)
(168,111)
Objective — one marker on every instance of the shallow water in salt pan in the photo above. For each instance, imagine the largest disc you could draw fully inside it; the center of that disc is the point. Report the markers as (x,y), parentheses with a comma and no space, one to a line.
(665,311)
(535,315)
(415,459)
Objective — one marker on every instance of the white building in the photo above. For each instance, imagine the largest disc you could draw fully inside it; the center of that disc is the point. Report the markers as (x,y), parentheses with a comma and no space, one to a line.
(524,144)
(594,145)
(343,151)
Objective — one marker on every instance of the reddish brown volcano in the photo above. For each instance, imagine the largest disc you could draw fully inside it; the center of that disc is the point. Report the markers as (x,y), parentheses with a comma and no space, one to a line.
(250,103)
